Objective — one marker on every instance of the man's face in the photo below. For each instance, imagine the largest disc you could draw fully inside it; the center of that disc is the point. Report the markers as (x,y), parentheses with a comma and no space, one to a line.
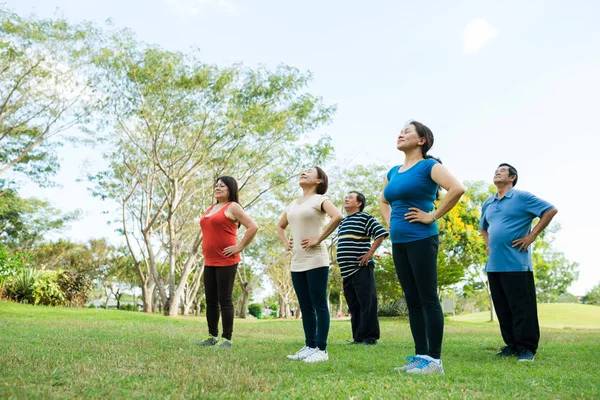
(351,203)
(502,176)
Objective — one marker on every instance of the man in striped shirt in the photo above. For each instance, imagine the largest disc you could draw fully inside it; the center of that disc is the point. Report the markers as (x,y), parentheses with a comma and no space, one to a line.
(354,256)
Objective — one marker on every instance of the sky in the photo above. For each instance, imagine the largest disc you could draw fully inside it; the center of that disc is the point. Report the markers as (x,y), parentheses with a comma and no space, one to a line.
(496,81)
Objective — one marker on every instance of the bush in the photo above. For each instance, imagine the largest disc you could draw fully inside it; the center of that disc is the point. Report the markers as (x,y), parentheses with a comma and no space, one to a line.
(393,309)
(46,290)
(254,309)
(91,306)
(129,307)
(20,287)
(12,263)
(75,287)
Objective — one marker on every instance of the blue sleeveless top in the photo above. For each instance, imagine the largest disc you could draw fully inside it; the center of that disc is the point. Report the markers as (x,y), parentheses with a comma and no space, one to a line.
(411,188)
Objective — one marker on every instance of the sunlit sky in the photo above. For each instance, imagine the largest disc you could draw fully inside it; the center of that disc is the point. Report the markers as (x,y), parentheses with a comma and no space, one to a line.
(496,81)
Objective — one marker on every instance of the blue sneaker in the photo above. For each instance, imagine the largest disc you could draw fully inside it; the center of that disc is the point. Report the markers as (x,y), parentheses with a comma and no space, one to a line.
(428,367)
(526,355)
(413,361)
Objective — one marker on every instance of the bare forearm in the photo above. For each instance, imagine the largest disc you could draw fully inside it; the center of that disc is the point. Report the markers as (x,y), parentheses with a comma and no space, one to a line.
(248,236)
(376,243)
(544,221)
(386,211)
(450,200)
(486,238)
(330,227)
(282,237)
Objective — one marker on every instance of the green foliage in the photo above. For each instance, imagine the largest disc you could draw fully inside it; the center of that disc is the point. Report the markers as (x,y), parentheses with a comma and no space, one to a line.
(554,273)
(75,287)
(128,307)
(396,308)
(46,289)
(592,296)
(254,309)
(21,286)
(42,90)
(25,222)
(388,287)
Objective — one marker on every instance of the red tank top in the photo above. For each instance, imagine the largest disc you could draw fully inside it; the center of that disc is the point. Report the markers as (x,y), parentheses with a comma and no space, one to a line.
(218,232)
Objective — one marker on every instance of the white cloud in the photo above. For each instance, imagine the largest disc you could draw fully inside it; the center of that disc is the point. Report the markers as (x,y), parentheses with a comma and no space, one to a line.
(477,33)
(191,8)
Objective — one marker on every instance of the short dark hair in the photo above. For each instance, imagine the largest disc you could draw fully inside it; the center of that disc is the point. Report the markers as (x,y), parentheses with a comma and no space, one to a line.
(360,197)
(322,188)
(511,171)
(232,185)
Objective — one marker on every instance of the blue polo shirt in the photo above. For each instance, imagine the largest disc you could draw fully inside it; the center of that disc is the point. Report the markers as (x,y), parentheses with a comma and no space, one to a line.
(411,188)
(506,220)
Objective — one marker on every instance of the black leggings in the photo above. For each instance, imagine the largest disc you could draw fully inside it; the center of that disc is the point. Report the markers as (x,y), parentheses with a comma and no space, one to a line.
(218,286)
(416,267)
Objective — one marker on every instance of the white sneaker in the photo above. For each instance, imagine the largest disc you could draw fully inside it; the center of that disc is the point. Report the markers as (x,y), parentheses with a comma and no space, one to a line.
(317,356)
(413,361)
(428,367)
(302,353)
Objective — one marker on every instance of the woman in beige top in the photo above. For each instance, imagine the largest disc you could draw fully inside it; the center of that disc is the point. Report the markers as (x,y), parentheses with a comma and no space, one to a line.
(310,259)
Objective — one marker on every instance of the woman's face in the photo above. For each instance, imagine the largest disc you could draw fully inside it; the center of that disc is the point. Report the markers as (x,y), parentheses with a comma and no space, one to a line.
(309,177)
(408,138)
(221,191)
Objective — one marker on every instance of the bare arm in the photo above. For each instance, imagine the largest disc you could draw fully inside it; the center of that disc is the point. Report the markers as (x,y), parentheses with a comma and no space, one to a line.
(524,242)
(384,206)
(454,189)
(486,239)
(238,213)
(281,225)
(335,218)
(365,258)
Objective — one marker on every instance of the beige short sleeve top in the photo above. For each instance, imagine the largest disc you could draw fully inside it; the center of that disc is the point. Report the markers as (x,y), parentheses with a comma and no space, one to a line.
(306,220)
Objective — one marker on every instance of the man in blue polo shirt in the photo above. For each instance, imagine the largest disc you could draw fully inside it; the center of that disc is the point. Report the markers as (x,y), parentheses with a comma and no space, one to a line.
(505,226)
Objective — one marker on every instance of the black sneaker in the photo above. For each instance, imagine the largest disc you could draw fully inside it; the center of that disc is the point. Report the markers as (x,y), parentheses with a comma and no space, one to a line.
(526,355)
(369,342)
(209,341)
(506,352)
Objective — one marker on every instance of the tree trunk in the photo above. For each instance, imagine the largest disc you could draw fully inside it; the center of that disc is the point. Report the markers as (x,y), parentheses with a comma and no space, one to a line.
(244,304)
(147,291)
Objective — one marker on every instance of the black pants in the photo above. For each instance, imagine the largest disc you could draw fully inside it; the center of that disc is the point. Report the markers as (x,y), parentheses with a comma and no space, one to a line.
(514,299)
(218,286)
(361,295)
(416,267)
(311,290)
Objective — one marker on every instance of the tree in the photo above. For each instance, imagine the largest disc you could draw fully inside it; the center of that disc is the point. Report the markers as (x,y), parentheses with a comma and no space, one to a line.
(25,222)
(175,125)
(43,90)
(592,296)
(554,273)
(388,287)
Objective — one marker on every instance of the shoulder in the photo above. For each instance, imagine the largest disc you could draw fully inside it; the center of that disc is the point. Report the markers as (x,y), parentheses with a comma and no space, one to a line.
(392,170)
(430,162)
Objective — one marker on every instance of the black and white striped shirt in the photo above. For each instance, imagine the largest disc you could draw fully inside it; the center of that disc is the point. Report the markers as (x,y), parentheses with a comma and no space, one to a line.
(354,240)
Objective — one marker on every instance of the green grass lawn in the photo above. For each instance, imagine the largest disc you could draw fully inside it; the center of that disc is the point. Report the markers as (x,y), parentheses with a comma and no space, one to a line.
(86,353)
(553,316)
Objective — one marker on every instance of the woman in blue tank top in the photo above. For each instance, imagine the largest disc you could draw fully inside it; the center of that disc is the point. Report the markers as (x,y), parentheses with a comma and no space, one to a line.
(407,205)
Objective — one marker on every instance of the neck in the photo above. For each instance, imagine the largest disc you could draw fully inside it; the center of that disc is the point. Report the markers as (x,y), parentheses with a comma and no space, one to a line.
(411,157)
(222,201)
(308,191)
(503,189)
(352,212)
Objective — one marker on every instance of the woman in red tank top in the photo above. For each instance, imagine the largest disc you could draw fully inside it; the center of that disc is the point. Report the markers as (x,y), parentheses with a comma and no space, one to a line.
(221,252)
